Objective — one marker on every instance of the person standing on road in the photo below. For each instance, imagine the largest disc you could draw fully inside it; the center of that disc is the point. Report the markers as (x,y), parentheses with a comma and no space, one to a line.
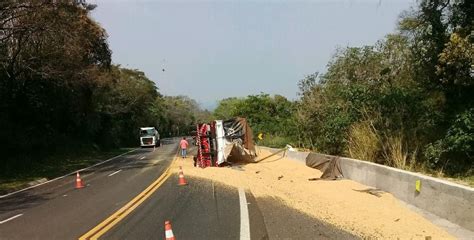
(184,145)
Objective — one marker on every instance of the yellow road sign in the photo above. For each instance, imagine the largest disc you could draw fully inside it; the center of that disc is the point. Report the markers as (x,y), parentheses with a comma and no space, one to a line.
(418,185)
(260,136)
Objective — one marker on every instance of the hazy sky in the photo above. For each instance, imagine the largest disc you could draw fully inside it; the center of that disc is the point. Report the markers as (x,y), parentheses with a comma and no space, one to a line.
(216,49)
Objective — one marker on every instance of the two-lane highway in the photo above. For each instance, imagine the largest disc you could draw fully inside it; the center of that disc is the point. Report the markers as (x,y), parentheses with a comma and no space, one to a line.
(131,196)
(58,211)
(201,210)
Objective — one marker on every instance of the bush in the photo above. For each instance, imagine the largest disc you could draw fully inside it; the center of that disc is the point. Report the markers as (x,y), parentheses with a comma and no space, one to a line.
(455,152)
(395,152)
(333,135)
(274,141)
(363,142)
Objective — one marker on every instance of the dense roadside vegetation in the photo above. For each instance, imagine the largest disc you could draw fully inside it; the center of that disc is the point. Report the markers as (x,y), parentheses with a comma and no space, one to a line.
(271,115)
(60,94)
(407,101)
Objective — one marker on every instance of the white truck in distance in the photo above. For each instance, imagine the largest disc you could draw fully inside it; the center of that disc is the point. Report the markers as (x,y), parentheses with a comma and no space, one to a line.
(149,137)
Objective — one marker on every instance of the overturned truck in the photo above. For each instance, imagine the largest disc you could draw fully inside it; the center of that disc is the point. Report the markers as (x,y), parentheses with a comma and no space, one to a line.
(222,142)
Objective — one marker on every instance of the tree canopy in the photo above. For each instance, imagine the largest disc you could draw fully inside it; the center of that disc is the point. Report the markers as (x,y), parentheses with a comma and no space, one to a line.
(406,101)
(59,89)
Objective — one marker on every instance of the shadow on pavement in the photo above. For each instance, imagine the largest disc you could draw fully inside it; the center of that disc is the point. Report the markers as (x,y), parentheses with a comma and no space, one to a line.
(283,222)
(20,201)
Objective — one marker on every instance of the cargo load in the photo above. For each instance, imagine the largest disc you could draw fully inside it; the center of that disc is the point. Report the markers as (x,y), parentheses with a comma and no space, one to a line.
(222,142)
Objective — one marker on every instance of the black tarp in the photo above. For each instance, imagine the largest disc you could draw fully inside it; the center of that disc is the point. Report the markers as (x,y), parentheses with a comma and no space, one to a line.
(239,142)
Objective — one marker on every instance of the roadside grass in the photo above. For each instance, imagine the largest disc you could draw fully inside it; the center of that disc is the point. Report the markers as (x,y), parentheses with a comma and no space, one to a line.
(274,141)
(469,180)
(363,142)
(19,174)
(466,179)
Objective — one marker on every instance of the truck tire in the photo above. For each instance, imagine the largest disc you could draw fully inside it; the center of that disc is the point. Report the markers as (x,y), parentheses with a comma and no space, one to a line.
(158,143)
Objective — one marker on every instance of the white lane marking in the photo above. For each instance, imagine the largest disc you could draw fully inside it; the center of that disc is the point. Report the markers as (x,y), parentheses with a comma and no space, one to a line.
(72,173)
(244,216)
(142,158)
(9,219)
(115,172)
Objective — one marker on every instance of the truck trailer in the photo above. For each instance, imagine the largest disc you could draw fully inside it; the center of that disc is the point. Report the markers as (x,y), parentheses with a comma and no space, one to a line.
(223,141)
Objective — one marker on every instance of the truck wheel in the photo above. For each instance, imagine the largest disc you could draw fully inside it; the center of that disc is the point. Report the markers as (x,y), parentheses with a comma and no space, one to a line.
(158,143)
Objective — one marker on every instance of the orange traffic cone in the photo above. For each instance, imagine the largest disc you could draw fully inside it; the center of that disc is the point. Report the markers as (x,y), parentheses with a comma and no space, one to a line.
(182,181)
(168,232)
(79,183)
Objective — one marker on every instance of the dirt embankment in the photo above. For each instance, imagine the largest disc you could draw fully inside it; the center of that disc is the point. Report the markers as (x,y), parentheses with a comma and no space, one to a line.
(335,202)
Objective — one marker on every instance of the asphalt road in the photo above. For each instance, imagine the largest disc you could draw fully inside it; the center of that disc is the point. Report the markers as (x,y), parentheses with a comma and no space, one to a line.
(202,209)
(58,211)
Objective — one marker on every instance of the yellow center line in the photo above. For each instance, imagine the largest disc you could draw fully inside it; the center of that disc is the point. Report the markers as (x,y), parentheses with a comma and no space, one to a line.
(116,217)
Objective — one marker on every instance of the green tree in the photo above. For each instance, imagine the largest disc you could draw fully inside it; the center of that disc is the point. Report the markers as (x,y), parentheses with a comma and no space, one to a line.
(51,54)
(180,114)
(271,115)
(454,153)
(124,102)
(408,92)
(227,108)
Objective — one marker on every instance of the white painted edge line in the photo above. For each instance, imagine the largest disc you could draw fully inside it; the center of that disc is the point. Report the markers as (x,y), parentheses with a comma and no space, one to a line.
(115,172)
(9,219)
(244,216)
(54,179)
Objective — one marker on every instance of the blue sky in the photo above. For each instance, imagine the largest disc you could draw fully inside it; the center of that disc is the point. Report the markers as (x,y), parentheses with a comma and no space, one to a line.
(216,49)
